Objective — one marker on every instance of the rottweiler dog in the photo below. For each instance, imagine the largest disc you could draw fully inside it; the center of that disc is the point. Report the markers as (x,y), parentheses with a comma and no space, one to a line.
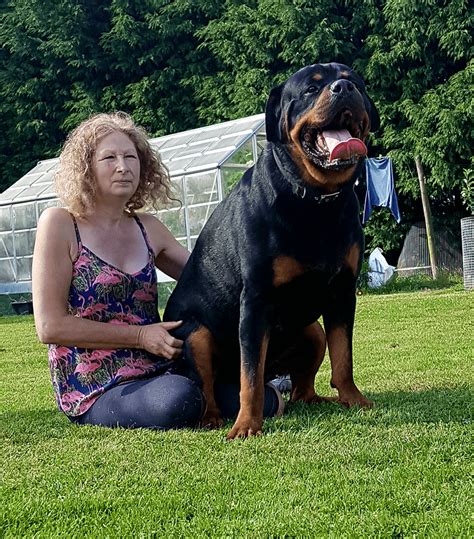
(282,250)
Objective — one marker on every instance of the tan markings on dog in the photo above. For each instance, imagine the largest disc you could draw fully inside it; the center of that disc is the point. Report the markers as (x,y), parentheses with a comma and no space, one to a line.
(285,269)
(310,351)
(317,76)
(250,418)
(352,258)
(203,347)
(344,74)
(340,353)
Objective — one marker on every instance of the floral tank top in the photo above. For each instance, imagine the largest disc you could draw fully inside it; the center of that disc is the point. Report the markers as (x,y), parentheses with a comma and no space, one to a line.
(101,292)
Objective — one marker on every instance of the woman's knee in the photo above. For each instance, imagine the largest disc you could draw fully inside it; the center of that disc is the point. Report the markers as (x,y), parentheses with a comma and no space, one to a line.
(177,402)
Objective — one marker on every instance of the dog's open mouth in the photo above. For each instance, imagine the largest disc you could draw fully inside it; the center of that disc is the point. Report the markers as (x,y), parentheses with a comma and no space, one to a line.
(337,145)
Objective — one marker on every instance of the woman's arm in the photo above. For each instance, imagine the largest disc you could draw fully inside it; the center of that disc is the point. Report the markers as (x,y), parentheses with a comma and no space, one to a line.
(55,250)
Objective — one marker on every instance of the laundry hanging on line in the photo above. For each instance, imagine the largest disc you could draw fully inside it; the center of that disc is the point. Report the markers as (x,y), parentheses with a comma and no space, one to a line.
(380,187)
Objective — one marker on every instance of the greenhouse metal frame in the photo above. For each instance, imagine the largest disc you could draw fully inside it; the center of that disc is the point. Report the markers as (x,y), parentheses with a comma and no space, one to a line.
(204,164)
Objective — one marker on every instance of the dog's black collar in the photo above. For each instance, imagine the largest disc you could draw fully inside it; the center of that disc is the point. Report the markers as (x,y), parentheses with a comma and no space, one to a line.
(301,191)
(289,172)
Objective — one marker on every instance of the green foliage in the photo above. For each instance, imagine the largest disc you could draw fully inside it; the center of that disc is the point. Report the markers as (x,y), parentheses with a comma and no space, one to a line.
(467,192)
(421,74)
(176,65)
(62,61)
(383,231)
(258,44)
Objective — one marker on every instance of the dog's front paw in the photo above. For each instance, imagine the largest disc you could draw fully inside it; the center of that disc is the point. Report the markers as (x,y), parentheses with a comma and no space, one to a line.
(245,429)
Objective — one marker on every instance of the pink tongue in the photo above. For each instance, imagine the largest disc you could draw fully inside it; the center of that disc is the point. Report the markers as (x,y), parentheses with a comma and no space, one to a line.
(342,146)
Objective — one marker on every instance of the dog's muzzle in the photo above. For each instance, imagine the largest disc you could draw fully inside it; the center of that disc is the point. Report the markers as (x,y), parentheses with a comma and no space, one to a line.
(338,143)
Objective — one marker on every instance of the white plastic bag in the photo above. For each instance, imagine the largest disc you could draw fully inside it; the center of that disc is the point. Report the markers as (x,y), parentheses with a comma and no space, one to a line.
(380,271)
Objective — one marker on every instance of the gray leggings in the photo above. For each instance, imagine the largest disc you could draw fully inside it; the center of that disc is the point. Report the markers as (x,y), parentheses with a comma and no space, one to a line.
(168,401)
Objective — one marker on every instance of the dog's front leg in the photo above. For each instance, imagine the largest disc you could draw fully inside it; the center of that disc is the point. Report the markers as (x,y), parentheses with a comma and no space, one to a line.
(339,324)
(254,335)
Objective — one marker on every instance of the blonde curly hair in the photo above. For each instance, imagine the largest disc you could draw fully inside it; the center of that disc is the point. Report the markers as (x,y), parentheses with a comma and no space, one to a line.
(74,180)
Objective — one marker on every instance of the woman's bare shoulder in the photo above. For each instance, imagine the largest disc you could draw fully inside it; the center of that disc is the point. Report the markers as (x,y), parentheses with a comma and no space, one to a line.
(56,224)
(55,216)
(152,224)
(160,237)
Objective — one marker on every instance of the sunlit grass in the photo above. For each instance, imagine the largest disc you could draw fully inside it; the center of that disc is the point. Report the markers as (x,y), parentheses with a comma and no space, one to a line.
(399,470)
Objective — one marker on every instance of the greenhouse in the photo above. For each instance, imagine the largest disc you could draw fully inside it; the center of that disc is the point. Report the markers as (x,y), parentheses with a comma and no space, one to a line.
(203,164)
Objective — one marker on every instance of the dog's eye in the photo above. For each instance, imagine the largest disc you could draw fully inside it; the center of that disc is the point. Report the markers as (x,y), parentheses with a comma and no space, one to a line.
(311,89)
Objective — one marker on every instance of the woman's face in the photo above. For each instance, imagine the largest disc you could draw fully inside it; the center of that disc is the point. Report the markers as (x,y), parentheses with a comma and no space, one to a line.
(116,167)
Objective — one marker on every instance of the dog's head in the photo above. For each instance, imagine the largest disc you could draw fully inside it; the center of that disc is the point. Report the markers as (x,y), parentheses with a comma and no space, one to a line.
(323,115)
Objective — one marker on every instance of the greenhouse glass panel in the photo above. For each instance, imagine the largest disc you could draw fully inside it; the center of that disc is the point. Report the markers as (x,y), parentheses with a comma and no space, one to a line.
(24,216)
(6,245)
(198,215)
(243,156)
(43,204)
(173,221)
(49,191)
(230,177)
(249,126)
(208,161)
(167,155)
(178,166)
(32,192)
(194,149)
(5,218)
(43,166)
(210,134)
(28,180)
(23,266)
(176,140)
(7,270)
(24,242)
(14,192)
(201,188)
(193,241)
(46,178)
(177,193)
(229,143)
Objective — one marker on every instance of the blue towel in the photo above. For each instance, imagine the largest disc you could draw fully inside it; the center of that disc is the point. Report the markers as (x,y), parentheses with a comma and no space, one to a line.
(380,187)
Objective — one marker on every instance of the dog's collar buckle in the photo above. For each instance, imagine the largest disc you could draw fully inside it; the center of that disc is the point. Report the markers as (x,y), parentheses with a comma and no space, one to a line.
(301,192)
(327,198)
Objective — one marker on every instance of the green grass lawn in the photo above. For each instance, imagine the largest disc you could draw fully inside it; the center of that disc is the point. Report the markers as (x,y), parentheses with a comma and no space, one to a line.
(403,469)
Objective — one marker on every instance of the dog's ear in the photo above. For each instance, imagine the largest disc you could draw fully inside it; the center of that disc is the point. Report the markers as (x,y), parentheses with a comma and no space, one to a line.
(373,115)
(273,115)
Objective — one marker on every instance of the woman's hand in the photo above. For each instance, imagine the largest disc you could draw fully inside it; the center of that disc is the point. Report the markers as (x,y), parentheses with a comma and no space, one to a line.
(156,340)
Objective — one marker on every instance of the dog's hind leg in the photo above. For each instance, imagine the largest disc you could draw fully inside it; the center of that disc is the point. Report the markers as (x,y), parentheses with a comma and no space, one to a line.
(202,346)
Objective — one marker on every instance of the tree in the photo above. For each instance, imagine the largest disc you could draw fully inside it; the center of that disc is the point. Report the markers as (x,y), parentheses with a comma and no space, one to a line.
(177,64)
(259,43)
(63,60)
(420,71)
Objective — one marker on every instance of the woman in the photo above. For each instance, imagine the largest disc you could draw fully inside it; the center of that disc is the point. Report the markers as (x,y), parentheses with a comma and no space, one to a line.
(112,361)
